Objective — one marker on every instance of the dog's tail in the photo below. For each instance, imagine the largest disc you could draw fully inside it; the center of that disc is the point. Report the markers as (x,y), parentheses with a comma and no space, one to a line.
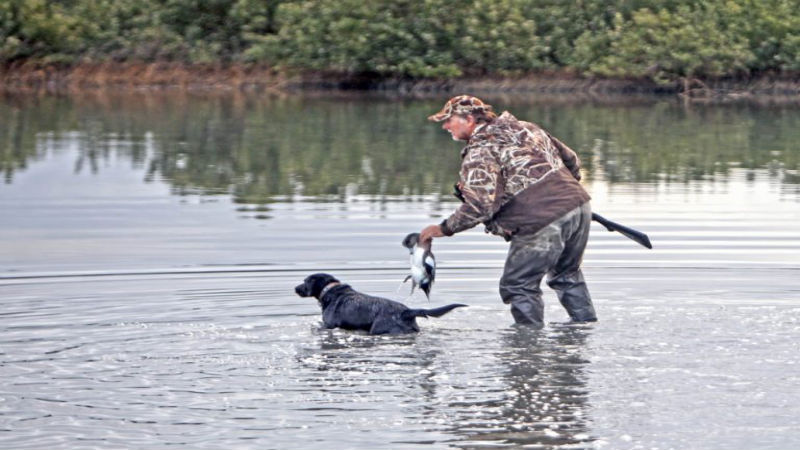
(434,312)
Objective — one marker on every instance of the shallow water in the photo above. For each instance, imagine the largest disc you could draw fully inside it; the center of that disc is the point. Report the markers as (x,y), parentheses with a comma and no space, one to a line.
(151,244)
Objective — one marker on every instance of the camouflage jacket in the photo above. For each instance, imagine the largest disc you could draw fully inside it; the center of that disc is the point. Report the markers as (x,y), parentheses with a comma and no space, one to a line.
(514,178)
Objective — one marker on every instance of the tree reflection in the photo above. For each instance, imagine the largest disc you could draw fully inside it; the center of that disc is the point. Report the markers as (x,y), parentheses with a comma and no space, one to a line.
(260,148)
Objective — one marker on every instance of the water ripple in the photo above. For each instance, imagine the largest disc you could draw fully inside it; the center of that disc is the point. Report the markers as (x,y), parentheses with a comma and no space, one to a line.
(162,361)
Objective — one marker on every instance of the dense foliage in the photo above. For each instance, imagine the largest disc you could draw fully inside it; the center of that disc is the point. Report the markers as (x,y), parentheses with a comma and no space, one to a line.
(658,39)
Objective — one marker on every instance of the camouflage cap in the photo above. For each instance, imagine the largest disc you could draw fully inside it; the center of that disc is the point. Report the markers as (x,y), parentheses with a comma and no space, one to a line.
(463,105)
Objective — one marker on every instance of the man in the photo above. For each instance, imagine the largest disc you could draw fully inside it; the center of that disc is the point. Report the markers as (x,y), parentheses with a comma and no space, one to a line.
(523,184)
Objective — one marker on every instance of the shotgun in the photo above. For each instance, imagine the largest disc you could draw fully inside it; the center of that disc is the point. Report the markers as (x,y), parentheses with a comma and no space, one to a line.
(629,233)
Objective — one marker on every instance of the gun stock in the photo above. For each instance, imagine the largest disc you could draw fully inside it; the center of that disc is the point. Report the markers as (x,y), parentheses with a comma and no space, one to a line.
(630,233)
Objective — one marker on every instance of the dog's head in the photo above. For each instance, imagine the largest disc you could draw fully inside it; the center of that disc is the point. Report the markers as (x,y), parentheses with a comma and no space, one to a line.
(313,285)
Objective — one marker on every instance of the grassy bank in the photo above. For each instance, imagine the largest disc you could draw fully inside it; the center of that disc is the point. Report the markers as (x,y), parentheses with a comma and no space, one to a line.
(38,76)
(43,77)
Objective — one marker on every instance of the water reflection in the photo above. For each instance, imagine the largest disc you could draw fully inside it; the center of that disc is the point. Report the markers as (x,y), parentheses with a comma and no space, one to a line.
(546,395)
(261,148)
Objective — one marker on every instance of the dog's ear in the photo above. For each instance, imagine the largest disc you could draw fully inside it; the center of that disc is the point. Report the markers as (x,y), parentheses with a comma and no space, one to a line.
(317,282)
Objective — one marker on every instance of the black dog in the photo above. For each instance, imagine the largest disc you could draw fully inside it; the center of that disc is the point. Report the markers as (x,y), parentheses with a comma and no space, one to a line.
(344,307)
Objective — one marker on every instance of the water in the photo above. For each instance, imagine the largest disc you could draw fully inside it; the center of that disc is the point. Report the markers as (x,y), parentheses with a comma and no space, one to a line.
(150,244)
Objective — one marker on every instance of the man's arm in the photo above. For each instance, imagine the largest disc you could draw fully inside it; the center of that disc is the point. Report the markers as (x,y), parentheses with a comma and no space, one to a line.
(569,157)
(430,232)
(481,186)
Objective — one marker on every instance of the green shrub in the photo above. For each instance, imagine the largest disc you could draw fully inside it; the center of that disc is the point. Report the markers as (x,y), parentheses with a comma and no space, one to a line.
(661,39)
(692,41)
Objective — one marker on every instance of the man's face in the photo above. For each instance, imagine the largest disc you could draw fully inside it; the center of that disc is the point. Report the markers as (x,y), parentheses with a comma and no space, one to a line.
(460,127)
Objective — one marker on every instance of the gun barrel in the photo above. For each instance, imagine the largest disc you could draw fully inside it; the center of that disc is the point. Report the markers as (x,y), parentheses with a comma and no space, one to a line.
(635,235)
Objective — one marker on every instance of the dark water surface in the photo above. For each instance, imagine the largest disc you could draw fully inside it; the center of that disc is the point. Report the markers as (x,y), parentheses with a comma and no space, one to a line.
(149,245)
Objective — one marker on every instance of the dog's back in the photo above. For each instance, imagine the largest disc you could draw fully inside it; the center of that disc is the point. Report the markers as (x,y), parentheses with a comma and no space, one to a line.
(347,308)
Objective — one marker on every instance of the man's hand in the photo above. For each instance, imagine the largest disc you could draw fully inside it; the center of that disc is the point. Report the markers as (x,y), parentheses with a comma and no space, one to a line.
(430,232)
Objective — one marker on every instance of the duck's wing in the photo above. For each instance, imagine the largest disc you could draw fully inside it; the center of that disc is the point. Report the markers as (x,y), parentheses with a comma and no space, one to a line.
(430,264)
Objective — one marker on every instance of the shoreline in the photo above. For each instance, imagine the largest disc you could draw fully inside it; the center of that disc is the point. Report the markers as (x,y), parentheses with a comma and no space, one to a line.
(31,77)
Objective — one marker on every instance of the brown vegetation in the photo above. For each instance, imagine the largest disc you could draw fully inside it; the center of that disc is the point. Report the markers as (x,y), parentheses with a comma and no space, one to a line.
(30,76)
(160,75)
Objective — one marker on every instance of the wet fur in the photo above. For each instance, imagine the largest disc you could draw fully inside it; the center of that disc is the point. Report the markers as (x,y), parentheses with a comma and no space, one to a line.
(344,307)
